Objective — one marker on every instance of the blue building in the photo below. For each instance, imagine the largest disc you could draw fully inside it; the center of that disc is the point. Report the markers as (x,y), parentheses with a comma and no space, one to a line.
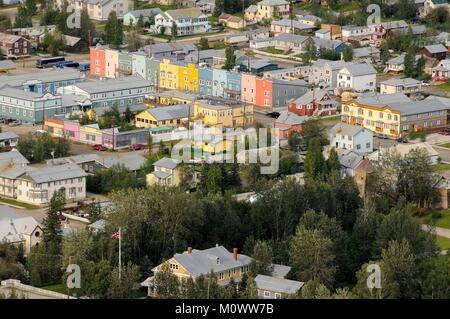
(43,82)
(205,80)
(219,82)
(233,88)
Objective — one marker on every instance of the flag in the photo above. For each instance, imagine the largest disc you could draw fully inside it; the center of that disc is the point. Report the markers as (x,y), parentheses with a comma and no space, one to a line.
(115,235)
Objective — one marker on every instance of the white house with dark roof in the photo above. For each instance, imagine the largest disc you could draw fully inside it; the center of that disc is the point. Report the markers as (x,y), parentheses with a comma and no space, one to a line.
(8,138)
(132,17)
(187,21)
(358,77)
(351,137)
(276,288)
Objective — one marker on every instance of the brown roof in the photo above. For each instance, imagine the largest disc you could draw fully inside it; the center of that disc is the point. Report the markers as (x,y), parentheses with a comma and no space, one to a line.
(230,18)
(365,166)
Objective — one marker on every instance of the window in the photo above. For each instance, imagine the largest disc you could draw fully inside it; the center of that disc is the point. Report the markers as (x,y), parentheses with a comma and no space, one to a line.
(266,294)
(221,275)
(277,295)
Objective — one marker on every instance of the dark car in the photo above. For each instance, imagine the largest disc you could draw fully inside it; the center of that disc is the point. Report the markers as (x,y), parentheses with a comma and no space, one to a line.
(402,140)
(98,147)
(383,136)
(445,131)
(274,115)
(137,147)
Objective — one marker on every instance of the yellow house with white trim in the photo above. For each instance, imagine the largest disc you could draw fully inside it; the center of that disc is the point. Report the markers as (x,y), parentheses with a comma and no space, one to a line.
(188,77)
(379,119)
(222,115)
(173,115)
(169,75)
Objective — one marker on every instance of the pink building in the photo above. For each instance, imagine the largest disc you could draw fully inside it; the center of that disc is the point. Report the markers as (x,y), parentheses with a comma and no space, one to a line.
(72,130)
(248,88)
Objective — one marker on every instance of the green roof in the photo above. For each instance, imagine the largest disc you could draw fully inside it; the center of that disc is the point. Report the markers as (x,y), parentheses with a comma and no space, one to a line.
(161,128)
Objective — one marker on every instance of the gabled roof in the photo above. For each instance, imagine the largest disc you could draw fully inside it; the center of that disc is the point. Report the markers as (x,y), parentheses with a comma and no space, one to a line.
(144,12)
(279,285)
(346,129)
(167,162)
(290,119)
(435,48)
(365,51)
(12,229)
(292,38)
(401,82)
(12,157)
(296,24)
(333,65)
(54,173)
(8,135)
(217,259)
(171,112)
(359,69)
(273,2)
(380,100)
(311,95)
(184,13)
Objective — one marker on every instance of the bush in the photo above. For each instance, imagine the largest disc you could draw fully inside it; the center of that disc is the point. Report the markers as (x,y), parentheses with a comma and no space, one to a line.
(436,215)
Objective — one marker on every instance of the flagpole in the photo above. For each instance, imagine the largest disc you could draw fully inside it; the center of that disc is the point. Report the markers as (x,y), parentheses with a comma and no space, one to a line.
(120,252)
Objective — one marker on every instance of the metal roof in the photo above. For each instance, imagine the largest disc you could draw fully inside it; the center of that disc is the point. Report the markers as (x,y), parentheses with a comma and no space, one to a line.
(167,163)
(54,173)
(280,285)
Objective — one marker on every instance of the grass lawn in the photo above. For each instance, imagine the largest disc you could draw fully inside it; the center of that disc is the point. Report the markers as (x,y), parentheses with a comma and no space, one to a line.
(61,288)
(444,86)
(330,118)
(146,5)
(443,221)
(446,145)
(273,51)
(443,242)
(16,203)
(441,167)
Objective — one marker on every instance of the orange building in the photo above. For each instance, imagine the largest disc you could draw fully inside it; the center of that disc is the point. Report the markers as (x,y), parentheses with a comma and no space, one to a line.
(335,30)
(264,93)
(97,60)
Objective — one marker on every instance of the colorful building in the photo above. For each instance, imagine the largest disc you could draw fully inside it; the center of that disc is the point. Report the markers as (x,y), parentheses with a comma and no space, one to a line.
(188,77)
(72,130)
(97,60)
(90,134)
(221,115)
(173,115)
(169,75)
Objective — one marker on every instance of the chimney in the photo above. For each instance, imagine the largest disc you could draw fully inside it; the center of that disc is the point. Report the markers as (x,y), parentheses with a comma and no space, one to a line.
(189,250)
(235,253)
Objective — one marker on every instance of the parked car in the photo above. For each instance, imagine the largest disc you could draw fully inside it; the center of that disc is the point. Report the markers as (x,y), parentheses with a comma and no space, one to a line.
(136,147)
(445,131)
(274,115)
(402,140)
(98,147)
(383,136)
(15,123)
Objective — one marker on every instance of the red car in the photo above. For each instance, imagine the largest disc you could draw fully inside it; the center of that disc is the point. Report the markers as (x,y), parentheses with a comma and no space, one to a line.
(445,131)
(136,147)
(98,147)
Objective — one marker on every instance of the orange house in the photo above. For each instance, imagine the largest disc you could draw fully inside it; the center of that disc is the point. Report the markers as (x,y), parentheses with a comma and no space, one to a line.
(97,61)
(264,93)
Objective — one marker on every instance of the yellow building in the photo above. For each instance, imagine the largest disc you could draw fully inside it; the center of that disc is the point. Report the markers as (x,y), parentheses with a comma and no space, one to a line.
(165,173)
(221,115)
(194,263)
(169,75)
(379,118)
(188,77)
(173,115)
(175,98)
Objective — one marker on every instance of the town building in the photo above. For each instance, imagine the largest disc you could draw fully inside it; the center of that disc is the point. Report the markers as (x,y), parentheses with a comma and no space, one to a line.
(267,10)
(173,115)
(289,26)
(358,77)
(131,18)
(165,173)
(276,288)
(395,114)
(17,230)
(187,21)
(231,21)
(220,115)
(287,123)
(98,9)
(13,46)
(323,73)
(406,85)
(194,263)
(441,73)
(317,102)
(436,51)
(351,137)
(367,54)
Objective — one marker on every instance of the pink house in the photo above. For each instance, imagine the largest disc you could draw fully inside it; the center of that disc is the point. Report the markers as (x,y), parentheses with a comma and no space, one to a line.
(72,130)
(248,88)
(441,73)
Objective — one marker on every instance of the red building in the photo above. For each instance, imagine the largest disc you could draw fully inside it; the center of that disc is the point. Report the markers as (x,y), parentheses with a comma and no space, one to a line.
(264,93)
(313,103)
(97,61)
(436,51)
(287,123)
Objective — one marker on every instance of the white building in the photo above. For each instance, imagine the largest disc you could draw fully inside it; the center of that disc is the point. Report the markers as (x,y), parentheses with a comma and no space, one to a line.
(268,10)
(324,72)
(37,185)
(187,21)
(17,229)
(351,137)
(358,77)
(98,9)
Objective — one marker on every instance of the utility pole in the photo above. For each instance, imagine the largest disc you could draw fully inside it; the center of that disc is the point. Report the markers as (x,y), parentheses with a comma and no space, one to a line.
(120,253)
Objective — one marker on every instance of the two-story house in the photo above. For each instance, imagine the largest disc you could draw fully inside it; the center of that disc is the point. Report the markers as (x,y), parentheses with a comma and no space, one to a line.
(268,10)
(406,85)
(13,46)
(194,263)
(351,137)
(314,103)
(187,21)
(98,9)
(269,287)
(165,173)
(358,77)
(324,72)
